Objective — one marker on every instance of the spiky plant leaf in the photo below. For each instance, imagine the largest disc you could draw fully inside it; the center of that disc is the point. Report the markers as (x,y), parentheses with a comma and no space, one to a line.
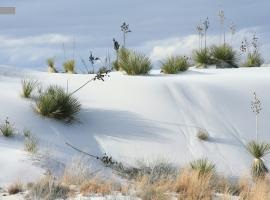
(202,57)
(253,60)
(56,103)
(203,166)
(175,64)
(27,87)
(69,66)
(224,54)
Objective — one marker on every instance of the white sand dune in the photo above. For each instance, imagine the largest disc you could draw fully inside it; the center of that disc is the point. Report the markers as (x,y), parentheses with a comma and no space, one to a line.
(141,117)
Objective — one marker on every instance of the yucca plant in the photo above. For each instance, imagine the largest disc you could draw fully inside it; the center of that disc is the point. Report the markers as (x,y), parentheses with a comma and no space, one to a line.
(202,57)
(175,64)
(203,166)
(56,103)
(202,135)
(224,56)
(7,129)
(51,65)
(254,59)
(133,63)
(69,66)
(258,151)
(28,87)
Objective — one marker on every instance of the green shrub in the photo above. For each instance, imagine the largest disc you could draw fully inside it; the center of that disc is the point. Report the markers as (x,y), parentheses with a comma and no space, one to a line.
(7,128)
(258,151)
(202,57)
(175,64)
(203,166)
(253,60)
(56,103)
(28,86)
(69,66)
(224,56)
(51,65)
(133,63)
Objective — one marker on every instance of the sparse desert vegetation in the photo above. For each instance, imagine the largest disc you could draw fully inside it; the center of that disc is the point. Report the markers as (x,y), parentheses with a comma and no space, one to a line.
(55,102)
(175,64)
(7,129)
(69,66)
(28,86)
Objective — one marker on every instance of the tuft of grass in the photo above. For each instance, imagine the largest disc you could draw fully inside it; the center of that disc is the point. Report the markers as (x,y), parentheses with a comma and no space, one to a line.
(31,144)
(15,188)
(253,60)
(69,66)
(191,185)
(224,56)
(95,186)
(54,102)
(203,166)
(175,64)
(48,189)
(28,86)
(258,151)
(133,63)
(27,133)
(51,65)
(7,129)
(202,135)
(202,57)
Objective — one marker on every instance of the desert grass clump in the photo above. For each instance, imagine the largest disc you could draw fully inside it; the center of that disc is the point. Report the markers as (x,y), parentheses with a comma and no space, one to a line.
(96,186)
(56,103)
(224,56)
(7,129)
(28,86)
(48,189)
(192,186)
(69,66)
(133,63)
(51,65)
(254,59)
(203,135)
(15,188)
(175,64)
(202,58)
(31,144)
(203,166)
(258,151)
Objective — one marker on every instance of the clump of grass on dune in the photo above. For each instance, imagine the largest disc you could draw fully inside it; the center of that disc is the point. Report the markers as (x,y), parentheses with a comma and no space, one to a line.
(69,66)
(175,64)
(133,63)
(224,56)
(15,188)
(28,86)
(203,135)
(51,65)
(258,151)
(56,103)
(202,58)
(253,60)
(203,166)
(7,128)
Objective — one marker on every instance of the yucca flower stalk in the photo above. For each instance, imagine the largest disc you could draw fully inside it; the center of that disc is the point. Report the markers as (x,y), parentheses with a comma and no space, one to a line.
(256,108)
(206,24)
(258,151)
(199,29)
(125,29)
(221,16)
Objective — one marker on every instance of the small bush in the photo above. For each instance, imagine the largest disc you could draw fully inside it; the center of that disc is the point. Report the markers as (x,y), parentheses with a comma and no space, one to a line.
(253,60)
(96,186)
(224,56)
(175,64)
(192,186)
(133,63)
(202,58)
(51,65)
(15,188)
(28,87)
(69,66)
(56,103)
(203,166)
(48,189)
(31,144)
(27,133)
(7,129)
(258,151)
(202,135)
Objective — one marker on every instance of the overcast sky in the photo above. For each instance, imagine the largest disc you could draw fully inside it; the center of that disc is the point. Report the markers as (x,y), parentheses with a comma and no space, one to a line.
(39,28)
